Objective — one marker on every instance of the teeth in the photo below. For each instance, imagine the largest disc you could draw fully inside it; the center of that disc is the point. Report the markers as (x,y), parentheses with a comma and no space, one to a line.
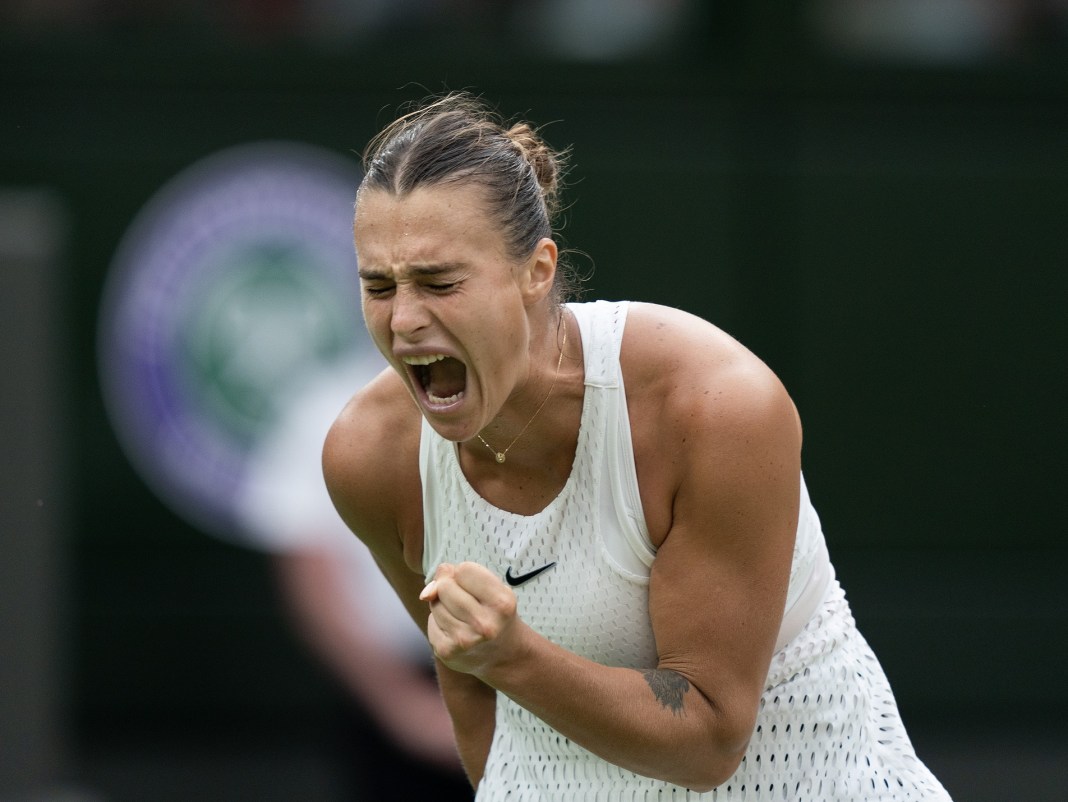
(424,359)
(423,376)
(450,400)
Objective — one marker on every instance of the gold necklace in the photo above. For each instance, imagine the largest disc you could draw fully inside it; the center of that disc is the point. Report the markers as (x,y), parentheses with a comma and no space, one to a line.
(501,455)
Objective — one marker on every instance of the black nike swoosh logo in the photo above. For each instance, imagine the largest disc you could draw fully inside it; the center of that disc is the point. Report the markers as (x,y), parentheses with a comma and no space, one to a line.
(516,581)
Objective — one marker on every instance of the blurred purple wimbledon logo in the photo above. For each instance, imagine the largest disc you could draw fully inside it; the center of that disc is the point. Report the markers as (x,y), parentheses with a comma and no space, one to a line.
(236,281)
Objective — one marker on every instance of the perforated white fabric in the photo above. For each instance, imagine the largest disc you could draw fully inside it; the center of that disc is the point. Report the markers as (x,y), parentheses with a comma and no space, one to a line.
(828,727)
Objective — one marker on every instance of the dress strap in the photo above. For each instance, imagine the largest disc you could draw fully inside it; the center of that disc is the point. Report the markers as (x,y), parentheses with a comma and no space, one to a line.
(601,325)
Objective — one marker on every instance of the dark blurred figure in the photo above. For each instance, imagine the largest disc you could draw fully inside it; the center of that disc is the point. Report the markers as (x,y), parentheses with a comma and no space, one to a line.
(343,609)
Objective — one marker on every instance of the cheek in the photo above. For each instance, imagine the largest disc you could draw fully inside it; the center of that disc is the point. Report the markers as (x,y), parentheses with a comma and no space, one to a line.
(375,323)
(509,343)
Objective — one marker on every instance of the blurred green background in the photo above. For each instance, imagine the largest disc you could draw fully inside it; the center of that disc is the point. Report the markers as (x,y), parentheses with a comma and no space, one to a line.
(880,222)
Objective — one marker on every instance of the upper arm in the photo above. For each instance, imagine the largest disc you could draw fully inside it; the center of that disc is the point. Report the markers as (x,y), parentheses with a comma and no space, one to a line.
(730,441)
(370,466)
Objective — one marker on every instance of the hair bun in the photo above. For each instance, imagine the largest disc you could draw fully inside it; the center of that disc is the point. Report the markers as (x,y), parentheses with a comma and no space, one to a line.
(541,158)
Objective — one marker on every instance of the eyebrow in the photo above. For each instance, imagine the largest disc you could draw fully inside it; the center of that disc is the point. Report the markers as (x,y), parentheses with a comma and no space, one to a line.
(371,274)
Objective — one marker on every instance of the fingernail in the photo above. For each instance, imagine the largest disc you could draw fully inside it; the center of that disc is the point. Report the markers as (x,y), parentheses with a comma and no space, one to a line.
(429,590)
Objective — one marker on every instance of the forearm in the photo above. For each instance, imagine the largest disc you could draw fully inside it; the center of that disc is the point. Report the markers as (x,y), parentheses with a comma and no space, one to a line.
(472,705)
(689,724)
(655,723)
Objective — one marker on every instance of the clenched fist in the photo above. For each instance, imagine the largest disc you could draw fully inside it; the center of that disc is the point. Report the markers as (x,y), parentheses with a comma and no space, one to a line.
(473,624)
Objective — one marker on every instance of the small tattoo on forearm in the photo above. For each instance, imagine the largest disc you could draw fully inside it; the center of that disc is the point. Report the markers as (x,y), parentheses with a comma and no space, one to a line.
(668,687)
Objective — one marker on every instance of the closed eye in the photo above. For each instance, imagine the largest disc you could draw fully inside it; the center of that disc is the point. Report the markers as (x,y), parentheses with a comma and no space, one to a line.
(442,287)
(378,291)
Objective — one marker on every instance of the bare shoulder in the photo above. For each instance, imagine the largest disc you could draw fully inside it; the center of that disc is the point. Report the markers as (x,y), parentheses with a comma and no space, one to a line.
(699,402)
(371,465)
(699,370)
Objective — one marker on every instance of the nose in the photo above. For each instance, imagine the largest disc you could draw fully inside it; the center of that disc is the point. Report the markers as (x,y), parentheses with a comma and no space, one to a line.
(408,315)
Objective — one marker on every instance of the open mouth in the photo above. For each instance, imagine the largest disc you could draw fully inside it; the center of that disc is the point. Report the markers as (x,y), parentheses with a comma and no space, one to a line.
(442,378)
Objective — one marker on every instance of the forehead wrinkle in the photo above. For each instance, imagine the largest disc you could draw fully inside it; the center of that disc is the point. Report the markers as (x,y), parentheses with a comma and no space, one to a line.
(416,270)
(428,227)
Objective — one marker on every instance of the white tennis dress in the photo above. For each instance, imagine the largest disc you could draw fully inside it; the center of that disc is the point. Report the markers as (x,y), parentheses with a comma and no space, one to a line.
(828,726)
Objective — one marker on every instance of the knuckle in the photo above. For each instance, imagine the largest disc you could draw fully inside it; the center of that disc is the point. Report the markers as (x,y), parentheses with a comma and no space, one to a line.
(504,603)
(510,604)
(469,640)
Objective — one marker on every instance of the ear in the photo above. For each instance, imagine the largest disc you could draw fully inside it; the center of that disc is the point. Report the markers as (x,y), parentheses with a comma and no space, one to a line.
(539,271)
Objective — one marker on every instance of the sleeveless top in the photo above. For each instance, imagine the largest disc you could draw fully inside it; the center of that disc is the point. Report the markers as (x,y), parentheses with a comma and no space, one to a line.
(594,601)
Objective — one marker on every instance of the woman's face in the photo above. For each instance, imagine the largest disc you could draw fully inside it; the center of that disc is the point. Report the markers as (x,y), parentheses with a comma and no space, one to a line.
(445,303)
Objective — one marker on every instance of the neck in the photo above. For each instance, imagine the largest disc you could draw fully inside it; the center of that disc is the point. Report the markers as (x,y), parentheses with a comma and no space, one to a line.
(498,439)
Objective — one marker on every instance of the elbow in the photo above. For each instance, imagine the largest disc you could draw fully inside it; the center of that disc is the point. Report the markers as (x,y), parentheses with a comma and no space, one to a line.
(711,774)
(715,757)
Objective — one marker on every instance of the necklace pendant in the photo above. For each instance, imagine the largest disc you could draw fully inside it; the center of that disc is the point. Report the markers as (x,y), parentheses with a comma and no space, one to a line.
(500,457)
